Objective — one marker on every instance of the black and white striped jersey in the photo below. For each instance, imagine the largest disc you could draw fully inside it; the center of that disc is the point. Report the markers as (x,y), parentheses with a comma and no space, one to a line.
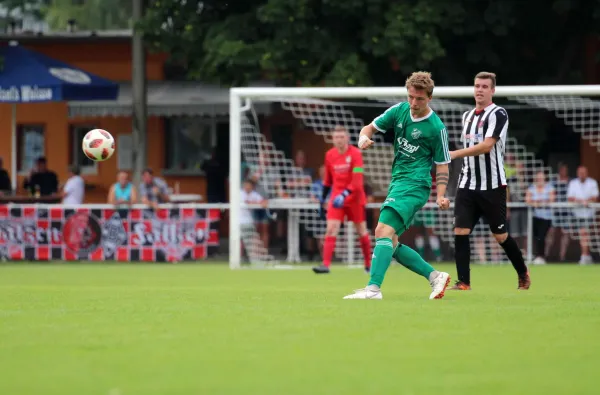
(486,171)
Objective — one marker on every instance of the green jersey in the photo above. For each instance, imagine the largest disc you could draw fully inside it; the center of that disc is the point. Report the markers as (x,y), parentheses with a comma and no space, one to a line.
(417,142)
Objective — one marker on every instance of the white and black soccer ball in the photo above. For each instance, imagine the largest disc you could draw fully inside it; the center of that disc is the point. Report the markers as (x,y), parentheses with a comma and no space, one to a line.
(98,145)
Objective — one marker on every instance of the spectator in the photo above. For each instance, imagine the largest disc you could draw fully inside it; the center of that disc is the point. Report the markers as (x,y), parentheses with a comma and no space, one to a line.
(268,183)
(122,192)
(74,189)
(316,190)
(539,195)
(249,195)
(153,190)
(216,176)
(5,184)
(302,177)
(41,181)
(517,217)
(561,217)
(583,191)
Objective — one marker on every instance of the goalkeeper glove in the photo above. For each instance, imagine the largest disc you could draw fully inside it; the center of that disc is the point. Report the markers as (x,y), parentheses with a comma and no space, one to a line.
(338,201)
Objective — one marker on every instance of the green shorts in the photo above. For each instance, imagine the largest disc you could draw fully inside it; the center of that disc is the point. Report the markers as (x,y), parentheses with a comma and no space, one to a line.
(402,203)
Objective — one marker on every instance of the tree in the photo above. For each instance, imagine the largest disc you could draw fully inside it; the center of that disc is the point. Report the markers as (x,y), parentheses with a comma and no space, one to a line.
(372,42)
(12,10)
(89,14)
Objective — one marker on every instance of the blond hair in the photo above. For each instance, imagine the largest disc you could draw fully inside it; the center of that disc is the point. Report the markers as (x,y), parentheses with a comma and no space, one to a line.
(421,80)
(486,75)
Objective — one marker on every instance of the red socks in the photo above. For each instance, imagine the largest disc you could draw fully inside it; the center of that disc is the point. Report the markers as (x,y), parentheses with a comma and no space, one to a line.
(328,247)
(365,246)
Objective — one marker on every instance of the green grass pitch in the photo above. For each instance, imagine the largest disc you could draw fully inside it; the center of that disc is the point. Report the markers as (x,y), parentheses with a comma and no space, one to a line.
(113,329)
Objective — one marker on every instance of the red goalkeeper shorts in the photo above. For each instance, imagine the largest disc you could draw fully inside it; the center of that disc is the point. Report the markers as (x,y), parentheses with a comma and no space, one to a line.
(353,212)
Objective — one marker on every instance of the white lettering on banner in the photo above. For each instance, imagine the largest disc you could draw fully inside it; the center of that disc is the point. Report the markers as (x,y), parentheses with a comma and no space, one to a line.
(27,233)
(103,234)
(404,145)
(27,93)
(10,95)
(167,234)
(33,93)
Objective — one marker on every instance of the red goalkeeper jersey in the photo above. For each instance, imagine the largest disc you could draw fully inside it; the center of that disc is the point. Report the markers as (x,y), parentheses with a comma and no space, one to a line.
(345,171)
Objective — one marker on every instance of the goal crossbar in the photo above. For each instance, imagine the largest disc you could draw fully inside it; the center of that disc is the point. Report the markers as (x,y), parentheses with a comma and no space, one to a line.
(241,98)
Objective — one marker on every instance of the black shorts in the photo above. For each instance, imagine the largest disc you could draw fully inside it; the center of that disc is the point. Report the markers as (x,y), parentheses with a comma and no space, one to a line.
(471,205)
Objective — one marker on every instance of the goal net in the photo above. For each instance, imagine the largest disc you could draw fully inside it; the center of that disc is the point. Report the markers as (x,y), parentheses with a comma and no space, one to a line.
(269,126)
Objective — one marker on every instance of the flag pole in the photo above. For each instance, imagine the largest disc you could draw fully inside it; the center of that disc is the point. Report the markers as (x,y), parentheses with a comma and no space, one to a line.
(13,154)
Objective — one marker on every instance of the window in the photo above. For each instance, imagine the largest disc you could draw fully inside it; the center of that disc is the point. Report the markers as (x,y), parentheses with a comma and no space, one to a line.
(189,142)
(78,158)
(31,145)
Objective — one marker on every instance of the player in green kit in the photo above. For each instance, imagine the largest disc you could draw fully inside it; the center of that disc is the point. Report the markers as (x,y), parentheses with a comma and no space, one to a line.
(420,139)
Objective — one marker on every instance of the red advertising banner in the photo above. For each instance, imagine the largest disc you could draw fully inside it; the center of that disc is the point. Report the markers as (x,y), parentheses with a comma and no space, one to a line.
(35,233)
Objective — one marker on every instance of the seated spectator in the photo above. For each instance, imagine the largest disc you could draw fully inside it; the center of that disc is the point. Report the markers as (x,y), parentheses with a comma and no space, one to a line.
(41,181)
(74,189)
(153,190)
(122,192)
(583,191)
(539,195)
(5,184)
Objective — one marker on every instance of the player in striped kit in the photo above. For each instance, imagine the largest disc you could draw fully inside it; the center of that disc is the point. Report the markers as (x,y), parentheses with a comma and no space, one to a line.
(482,183)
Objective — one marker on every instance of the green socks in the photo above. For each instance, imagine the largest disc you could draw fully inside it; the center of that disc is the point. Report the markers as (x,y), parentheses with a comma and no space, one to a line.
(382,257)
(411,260)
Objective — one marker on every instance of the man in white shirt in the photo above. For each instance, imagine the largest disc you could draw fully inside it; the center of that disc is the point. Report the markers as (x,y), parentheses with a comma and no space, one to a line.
(583,191)
(74,189)
(253,244)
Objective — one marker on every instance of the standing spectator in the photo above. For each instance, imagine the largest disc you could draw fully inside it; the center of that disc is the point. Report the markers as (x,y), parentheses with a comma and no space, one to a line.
(5,184)
(249,196)
(153,190)
(583,191)
(41,181)
(302,177)
(539,195)
(517,217)
(74,189)
(216,176)
(122,192)
(316,191)
(561,217)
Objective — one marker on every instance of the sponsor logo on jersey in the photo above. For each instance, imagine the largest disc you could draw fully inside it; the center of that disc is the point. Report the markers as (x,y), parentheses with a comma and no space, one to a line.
(348,159)
(399,125)
(341,168)
(416,133)
(404,145)
(474,137)
(389,200)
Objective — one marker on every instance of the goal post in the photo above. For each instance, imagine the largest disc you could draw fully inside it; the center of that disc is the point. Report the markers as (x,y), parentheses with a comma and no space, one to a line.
(566,102)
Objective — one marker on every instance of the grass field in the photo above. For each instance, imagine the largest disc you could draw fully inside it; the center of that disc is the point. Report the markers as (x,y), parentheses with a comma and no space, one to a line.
(112,329)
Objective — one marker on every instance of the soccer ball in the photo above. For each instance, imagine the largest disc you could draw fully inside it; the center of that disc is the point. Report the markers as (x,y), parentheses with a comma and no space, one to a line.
(98,145)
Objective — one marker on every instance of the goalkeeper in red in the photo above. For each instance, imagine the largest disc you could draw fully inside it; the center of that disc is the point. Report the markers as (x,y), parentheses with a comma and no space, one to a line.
(420,138)
(344,178)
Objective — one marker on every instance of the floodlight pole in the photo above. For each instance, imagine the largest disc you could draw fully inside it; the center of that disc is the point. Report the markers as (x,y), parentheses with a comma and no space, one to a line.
(139,95)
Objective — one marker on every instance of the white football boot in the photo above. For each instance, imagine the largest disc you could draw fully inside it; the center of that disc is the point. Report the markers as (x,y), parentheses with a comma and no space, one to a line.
(369,292)
(438,284)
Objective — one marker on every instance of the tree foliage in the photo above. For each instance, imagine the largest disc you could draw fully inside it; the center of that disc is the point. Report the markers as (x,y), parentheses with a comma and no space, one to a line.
(90,14)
